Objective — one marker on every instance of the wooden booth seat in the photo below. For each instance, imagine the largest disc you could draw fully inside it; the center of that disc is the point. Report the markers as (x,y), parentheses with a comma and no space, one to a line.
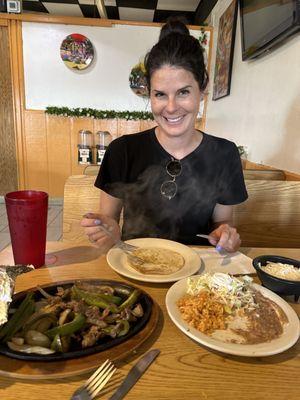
(80,197)
(271,215)
(269,218)
(91,170)
(264,174)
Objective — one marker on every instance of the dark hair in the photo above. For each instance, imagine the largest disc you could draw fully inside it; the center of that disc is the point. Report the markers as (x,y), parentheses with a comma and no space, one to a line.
(176,47)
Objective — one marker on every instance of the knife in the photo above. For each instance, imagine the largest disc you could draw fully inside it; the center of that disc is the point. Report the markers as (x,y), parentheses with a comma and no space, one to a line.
(218,248)
(134,374)
(203,236)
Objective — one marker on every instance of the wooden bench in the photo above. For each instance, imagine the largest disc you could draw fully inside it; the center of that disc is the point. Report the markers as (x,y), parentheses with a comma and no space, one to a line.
(271,215)
(264,174)
(269,218)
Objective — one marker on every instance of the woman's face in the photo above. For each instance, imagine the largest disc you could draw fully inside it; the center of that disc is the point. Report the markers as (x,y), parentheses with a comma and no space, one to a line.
(175,99)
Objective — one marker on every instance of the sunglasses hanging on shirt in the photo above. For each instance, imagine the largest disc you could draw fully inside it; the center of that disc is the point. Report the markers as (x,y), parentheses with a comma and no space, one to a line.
(168,188)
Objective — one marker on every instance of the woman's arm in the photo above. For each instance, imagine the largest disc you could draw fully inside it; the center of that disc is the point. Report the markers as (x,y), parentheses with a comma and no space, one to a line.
(224,235)
(109,215)
(110,206)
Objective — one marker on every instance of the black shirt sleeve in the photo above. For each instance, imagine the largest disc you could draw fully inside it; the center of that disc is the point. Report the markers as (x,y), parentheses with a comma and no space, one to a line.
(112,173)
(232,189)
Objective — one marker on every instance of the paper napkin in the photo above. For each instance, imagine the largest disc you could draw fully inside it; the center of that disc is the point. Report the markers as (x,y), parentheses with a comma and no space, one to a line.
(232,263)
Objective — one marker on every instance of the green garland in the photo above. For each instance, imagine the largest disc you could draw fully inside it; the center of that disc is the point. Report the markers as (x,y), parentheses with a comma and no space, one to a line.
(99,114)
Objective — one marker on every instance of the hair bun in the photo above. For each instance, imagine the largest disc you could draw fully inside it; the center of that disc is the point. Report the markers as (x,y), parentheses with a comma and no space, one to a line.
(174,25)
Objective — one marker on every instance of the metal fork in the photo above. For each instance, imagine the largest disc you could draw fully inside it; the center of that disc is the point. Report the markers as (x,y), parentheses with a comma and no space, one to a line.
(126,247)
(95,383)
(118,243)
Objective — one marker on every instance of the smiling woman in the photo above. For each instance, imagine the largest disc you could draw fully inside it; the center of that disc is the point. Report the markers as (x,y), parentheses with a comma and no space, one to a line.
(197,195)
(175,101)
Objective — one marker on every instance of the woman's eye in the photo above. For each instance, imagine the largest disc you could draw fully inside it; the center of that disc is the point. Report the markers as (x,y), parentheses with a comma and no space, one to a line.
(184,92)
(159,94)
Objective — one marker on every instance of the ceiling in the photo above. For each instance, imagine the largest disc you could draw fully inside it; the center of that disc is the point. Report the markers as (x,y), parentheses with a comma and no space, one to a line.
(195,11)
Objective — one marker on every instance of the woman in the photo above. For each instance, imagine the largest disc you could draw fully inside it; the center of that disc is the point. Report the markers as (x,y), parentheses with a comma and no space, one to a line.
(172,181)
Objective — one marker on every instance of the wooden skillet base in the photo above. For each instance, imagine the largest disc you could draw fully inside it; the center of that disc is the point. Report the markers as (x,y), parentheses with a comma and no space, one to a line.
(14,368)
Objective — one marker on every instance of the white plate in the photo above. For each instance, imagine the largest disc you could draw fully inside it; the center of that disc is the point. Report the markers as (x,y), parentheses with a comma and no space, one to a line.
(117,260)
(286,340)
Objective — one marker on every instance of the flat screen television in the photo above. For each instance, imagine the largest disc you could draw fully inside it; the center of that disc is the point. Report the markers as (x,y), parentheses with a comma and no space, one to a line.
(266,23)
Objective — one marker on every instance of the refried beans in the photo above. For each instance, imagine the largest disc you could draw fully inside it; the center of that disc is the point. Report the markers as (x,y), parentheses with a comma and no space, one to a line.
(265,322)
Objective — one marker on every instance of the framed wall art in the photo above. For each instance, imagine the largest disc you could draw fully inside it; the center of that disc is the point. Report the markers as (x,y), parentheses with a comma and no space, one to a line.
(77,51)
(225,49)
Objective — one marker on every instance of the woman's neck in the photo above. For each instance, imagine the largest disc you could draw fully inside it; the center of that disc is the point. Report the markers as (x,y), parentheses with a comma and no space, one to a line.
(179,146)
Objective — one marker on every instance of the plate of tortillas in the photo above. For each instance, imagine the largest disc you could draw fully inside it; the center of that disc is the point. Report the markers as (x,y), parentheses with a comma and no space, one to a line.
(155,260)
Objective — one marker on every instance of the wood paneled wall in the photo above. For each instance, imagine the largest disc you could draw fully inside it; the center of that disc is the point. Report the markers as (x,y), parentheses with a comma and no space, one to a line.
(51,146)
(8,163)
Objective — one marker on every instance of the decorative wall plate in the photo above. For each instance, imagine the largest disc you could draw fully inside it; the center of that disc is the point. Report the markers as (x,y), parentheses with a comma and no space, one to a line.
(137,80)
(77,51)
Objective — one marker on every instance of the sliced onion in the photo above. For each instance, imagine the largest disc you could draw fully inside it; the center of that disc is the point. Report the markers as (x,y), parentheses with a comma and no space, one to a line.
(27,348)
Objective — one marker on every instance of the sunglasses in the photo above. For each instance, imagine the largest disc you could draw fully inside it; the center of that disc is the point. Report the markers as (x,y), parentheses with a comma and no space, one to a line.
(168,188)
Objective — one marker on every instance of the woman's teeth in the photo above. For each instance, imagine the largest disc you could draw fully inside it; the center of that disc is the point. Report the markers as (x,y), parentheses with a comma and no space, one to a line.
(173,120)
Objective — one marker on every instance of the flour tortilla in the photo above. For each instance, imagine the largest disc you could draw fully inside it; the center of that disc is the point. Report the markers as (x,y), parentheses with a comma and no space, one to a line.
(156,260)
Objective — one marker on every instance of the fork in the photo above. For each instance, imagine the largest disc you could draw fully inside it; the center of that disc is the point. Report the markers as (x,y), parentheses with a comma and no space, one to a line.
(126,247)
(118,243)
(95,383)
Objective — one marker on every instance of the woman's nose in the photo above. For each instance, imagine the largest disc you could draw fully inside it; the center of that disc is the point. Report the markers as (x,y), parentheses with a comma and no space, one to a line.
(171,106)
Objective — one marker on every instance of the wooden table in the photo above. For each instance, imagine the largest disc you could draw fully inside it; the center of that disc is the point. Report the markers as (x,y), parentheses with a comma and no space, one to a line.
(184,368)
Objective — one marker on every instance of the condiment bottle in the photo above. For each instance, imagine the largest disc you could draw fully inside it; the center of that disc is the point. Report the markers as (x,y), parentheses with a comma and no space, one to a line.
(85,143)
(103,139)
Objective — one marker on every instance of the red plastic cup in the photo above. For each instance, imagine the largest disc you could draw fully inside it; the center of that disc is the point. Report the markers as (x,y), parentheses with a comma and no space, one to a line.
(27,218)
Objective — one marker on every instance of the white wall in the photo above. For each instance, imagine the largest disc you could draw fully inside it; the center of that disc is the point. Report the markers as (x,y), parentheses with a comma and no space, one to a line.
(103,85)
(262,111)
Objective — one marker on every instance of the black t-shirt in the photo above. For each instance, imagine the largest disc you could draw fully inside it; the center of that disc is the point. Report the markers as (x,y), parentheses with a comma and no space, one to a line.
(134,168)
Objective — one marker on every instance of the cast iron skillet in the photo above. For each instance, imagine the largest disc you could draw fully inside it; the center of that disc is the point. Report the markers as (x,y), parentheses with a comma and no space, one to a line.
(106,342)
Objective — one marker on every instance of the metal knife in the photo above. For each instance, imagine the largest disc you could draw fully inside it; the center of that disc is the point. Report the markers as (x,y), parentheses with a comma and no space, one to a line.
(203,236)
(134,374)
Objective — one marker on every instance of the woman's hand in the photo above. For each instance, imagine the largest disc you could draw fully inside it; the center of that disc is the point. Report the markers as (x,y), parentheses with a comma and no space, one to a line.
(92,224)
(225,237)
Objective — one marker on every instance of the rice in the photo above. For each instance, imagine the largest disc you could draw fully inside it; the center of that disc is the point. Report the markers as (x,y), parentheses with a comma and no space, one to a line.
(283,271)
(203,311)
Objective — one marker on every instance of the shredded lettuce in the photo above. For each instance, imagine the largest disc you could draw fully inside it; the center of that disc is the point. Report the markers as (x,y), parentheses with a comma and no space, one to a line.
(230,291)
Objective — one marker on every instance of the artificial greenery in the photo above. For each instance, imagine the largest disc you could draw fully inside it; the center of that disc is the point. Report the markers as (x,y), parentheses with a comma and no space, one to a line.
(99,114)
(242,151)
(203,39)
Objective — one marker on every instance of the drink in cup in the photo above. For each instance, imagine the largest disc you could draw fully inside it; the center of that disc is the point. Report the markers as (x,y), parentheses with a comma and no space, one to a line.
(27,218)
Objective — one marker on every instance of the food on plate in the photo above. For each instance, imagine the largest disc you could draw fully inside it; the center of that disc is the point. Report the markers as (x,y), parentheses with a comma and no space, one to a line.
(156,260)
(76,317)
(8,274)
(231,310)
(5,295)
(280,270)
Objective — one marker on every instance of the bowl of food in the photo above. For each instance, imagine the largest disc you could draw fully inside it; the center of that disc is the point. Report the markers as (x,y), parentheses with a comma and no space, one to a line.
(279,274)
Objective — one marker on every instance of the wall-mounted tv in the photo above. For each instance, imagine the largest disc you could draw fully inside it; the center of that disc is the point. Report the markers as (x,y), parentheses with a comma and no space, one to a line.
(264,24)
